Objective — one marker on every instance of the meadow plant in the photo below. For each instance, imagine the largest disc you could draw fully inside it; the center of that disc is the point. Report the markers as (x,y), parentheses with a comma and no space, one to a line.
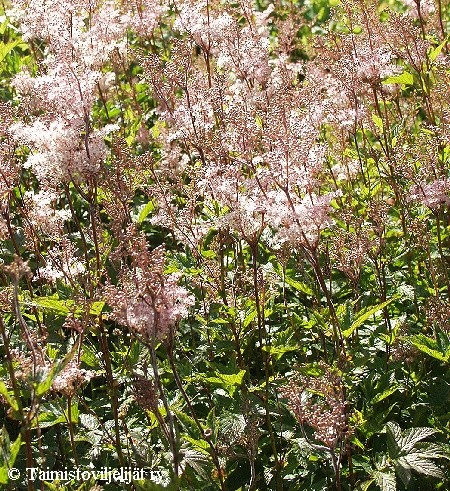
(225,243)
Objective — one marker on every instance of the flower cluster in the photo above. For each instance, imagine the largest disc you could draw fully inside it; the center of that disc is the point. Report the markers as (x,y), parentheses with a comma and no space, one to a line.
(319,402)
(249,127)
(66,382)
(147,301)
(80,38)
(71,378)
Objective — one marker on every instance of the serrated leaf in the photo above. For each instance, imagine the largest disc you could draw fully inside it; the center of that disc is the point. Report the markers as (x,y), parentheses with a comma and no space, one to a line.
(364,315)
(432,451)
(424,466)
(386,480)
(394,435)
(413,435)
(201,445)
(232,426)
(403,470)
(197,460)
(429,346)
(89,421)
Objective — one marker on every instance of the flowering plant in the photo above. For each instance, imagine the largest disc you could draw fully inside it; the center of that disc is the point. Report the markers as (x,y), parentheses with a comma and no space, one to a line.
(225,242)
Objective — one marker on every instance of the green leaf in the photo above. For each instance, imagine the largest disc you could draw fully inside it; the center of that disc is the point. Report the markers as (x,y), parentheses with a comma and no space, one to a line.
(4,24)
(413,435)
(429,346)
(47,419)
(364,486)
(232,426)
(89,356)
(61,307)
(54,415)
(44,386)
(386,393)
(296,285)
(386,480)
(277,352)
(234,379)
(403,470)
(432,451)
(394,435)
(187,421)
(57,487)
(52,303)
(197,461)
(9,397)
(435,52)
(299,286)
(14,450)
(364,314)
(96,308)
(422,465)
(5,49)
(404,78)
(4,474)
(146,210)
(378,121)
(8,454)
(229,382)
(250,317)
(201,445)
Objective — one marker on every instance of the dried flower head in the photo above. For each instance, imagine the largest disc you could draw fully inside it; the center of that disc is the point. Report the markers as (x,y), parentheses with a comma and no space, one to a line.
(145,393)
